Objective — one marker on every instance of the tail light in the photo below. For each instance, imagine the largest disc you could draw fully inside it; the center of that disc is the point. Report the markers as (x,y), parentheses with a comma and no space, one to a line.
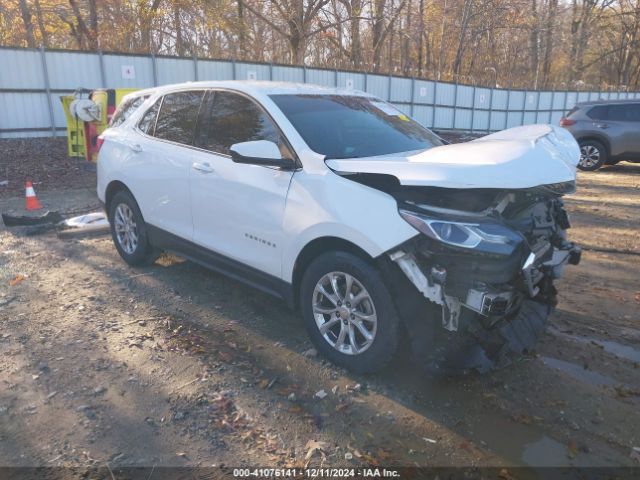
(566,122)
(99,142)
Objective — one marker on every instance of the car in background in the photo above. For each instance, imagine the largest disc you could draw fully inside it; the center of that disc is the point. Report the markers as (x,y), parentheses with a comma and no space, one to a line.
(608,131)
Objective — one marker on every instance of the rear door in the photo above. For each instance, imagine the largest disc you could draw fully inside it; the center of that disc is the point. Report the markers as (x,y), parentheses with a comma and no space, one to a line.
(238,209)
(158,173)
(623,127)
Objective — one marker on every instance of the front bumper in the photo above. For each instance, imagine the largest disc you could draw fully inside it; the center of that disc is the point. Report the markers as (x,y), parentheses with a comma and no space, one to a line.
(445,285)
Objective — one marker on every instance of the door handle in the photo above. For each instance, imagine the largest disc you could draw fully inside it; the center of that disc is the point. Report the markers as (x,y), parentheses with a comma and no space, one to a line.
(135,147)
(203,167)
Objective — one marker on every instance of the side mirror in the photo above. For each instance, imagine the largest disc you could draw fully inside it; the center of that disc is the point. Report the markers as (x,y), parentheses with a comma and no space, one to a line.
(260,152)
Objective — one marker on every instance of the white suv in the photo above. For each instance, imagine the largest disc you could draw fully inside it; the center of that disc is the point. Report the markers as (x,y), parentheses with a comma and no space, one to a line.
(349,210)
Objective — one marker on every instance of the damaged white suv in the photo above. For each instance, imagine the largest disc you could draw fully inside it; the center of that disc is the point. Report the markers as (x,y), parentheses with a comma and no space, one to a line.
(350,211)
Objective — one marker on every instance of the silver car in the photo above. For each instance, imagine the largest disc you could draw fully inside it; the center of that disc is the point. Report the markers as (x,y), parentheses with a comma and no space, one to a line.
(608,131)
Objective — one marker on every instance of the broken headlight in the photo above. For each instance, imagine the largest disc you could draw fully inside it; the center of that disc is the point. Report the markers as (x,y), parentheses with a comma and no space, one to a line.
(487,237)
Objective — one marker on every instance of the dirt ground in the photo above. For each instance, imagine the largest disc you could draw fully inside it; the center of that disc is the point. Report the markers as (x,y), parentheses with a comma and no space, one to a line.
(174,365)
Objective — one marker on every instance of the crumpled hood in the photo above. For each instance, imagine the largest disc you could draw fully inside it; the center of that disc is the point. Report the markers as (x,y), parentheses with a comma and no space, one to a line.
(520,157)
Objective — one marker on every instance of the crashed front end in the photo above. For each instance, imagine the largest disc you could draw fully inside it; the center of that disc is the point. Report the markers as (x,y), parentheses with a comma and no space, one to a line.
(483,266)
(492,241)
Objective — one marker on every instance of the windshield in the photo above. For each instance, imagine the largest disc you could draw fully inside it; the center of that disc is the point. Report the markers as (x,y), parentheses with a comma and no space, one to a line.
(341,126)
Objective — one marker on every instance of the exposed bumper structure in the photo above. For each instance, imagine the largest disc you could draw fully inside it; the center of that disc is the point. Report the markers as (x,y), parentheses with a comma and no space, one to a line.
(486,294)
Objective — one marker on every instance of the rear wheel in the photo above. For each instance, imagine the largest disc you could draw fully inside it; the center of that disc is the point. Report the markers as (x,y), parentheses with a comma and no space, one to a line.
(593,155)
(348,312)
(129,231)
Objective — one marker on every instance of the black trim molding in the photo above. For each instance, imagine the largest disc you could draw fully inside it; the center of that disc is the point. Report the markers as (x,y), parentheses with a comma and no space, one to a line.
(222,264)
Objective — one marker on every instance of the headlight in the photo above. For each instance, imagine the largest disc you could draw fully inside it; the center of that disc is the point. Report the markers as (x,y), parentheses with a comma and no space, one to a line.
(460,234)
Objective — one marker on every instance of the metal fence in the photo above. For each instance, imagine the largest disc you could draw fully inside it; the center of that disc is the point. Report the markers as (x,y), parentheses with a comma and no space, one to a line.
(31,82)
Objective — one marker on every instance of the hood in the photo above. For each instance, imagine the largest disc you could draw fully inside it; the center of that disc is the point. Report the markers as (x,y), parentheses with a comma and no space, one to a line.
(520,157)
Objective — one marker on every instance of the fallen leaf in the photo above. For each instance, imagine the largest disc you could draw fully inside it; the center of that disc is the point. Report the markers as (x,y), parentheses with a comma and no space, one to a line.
(504,474)
(16,280)
(572,449)
(383,454)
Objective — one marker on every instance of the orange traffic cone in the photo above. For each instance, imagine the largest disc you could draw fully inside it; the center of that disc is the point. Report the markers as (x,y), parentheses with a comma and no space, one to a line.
(31,202)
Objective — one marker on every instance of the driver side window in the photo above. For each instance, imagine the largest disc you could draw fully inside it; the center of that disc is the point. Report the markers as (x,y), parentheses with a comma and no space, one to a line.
(229,118)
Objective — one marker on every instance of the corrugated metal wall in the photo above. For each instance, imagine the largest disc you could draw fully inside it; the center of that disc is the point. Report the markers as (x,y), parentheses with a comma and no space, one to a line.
(31,82)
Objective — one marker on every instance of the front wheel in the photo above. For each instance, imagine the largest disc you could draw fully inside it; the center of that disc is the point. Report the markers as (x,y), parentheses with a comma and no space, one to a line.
(348,312)
(593,155)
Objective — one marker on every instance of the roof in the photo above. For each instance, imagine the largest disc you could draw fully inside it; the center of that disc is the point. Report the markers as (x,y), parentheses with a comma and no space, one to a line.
(264,87)
(609,102)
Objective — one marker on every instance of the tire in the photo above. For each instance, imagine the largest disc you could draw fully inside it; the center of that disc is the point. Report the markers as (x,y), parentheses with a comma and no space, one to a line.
(593,155)
(124,209)
(374,312)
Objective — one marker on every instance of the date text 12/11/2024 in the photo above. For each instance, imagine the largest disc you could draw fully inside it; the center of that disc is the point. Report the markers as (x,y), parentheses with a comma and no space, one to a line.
(315,473)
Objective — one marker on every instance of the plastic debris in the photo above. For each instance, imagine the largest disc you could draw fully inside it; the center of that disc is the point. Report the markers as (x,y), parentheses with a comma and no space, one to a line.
(90,223)
(47,218)
(320,394)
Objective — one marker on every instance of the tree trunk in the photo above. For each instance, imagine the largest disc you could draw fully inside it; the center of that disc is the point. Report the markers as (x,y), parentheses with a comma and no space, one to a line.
(147,14)
(548,41)
(442,42)
(534,40)
(466,16)
(177,26)
(43,31)
(406,43)
(28,24)
(356,42)
(421,39)
(377,32)
(242,33)
(94,41)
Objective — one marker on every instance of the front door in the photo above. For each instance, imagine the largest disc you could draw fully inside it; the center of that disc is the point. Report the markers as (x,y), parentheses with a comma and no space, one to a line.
(238,209)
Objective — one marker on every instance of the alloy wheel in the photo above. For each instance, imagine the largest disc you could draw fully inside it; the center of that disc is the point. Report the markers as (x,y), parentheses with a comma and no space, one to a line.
(126,228)
(344,313)
(589,156)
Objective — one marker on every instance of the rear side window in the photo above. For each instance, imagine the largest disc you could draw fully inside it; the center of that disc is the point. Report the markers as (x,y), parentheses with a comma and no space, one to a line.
(231,118)
(178,117)
(148,120)
(126,109)
(599,113)
(625,113)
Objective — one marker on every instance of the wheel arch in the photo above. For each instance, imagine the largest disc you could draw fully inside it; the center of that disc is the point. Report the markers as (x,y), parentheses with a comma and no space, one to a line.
(317,247)
(597,138)
(114,187)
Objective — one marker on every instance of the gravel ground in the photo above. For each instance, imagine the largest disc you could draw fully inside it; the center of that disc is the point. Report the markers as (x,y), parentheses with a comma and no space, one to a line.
(102,365)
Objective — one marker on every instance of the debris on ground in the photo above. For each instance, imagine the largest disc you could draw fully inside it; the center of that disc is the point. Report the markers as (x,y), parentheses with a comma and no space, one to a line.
(48,217)
(91,223)
(320,394)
